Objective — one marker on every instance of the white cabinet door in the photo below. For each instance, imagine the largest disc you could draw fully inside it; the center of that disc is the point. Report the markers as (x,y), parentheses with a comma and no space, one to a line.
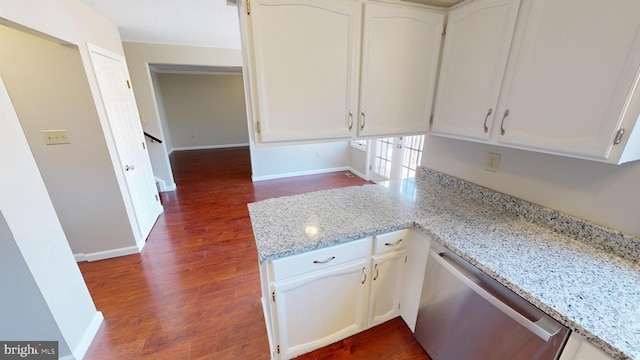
(305,71)
(387,286)
(474,58)
(320,308)
(401,46)
(574,67)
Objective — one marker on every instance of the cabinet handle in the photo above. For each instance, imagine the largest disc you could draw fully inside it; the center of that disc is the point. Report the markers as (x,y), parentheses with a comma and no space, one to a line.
(323,261)
(364,273)
(393,244)
(363,120)
(377,273)
(502,130)
(486,129)
(350,120)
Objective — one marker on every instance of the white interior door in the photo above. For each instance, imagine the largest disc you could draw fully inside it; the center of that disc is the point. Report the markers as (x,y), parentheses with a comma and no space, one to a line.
(126,129)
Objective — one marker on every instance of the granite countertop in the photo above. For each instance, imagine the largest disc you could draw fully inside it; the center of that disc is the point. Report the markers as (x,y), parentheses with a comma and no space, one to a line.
(585,276)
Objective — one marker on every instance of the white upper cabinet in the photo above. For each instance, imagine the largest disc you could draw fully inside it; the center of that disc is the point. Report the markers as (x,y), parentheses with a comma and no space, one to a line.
(400,52)
(305,68)
(303,59)
(476,48)
(571,80)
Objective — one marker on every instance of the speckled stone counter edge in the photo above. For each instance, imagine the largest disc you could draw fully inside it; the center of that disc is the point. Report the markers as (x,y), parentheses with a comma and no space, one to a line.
(609,240)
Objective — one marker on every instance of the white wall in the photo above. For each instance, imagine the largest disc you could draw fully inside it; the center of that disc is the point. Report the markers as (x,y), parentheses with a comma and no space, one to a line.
(204,110)
(272,162)
(604,194)
(49,90)
(155,82)
(358,161)
(34,229)
(139,56)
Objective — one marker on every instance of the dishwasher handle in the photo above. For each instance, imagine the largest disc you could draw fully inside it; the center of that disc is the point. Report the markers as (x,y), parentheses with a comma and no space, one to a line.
(545,327)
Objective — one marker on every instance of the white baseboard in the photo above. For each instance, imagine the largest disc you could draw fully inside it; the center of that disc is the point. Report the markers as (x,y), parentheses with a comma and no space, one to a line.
(107,254)
(163,187)
(183,148)
(299,173)
(87,338)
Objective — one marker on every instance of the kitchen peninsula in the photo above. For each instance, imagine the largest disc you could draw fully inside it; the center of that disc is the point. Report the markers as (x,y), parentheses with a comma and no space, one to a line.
(584,276)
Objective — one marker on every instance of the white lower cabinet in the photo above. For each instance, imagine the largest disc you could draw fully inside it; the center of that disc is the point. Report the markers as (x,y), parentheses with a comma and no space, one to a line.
(387,285)
(319,297)
(320,308)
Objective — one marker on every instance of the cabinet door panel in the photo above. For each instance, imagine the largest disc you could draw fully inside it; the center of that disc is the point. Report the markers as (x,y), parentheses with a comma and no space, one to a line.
(387,286)
(574,66)
(306,67)
(399,64)
(315,310)
(474,58)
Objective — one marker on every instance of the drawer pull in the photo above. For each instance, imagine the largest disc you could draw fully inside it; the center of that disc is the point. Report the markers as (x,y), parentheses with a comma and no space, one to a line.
(323,261)
(393,244)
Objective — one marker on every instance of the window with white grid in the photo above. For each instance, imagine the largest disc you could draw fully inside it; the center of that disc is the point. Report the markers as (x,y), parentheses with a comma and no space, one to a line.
(382,160)
(412,155)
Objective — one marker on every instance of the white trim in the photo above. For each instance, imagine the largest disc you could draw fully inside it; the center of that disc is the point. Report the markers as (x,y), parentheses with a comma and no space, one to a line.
(107,254)
(299,173)
(183,148)
(163,187)
(87,338)
(358,174)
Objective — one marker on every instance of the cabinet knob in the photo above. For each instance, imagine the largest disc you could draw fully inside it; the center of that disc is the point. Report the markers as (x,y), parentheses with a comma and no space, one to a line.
(502,130)
(486,128)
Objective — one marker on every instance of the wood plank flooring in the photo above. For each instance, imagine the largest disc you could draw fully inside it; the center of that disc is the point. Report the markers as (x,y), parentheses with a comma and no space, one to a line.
(194,291)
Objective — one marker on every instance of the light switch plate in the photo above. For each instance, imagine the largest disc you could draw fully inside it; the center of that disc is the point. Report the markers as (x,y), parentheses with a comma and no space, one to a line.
(54,137)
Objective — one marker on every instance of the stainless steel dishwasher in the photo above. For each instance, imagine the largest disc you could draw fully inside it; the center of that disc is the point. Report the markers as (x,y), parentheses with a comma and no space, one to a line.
(464,314)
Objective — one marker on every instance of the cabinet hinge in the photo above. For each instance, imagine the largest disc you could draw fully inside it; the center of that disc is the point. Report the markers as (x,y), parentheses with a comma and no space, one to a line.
(258,127)
(157,198)
(399,306)
(273,296)
(618,137)
(248,4)
(444,29)
(431,120)
(128,85)
(405,259)
(144,146)
(278,349)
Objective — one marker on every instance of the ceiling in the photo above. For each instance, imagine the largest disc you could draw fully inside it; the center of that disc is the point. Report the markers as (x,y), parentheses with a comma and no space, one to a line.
(207,23)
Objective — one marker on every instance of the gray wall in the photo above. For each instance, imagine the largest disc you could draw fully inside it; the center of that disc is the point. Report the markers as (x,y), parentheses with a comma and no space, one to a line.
(49,90)
(204,110)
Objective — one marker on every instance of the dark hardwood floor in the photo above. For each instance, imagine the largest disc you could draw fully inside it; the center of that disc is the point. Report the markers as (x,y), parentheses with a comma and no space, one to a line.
(194,291)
